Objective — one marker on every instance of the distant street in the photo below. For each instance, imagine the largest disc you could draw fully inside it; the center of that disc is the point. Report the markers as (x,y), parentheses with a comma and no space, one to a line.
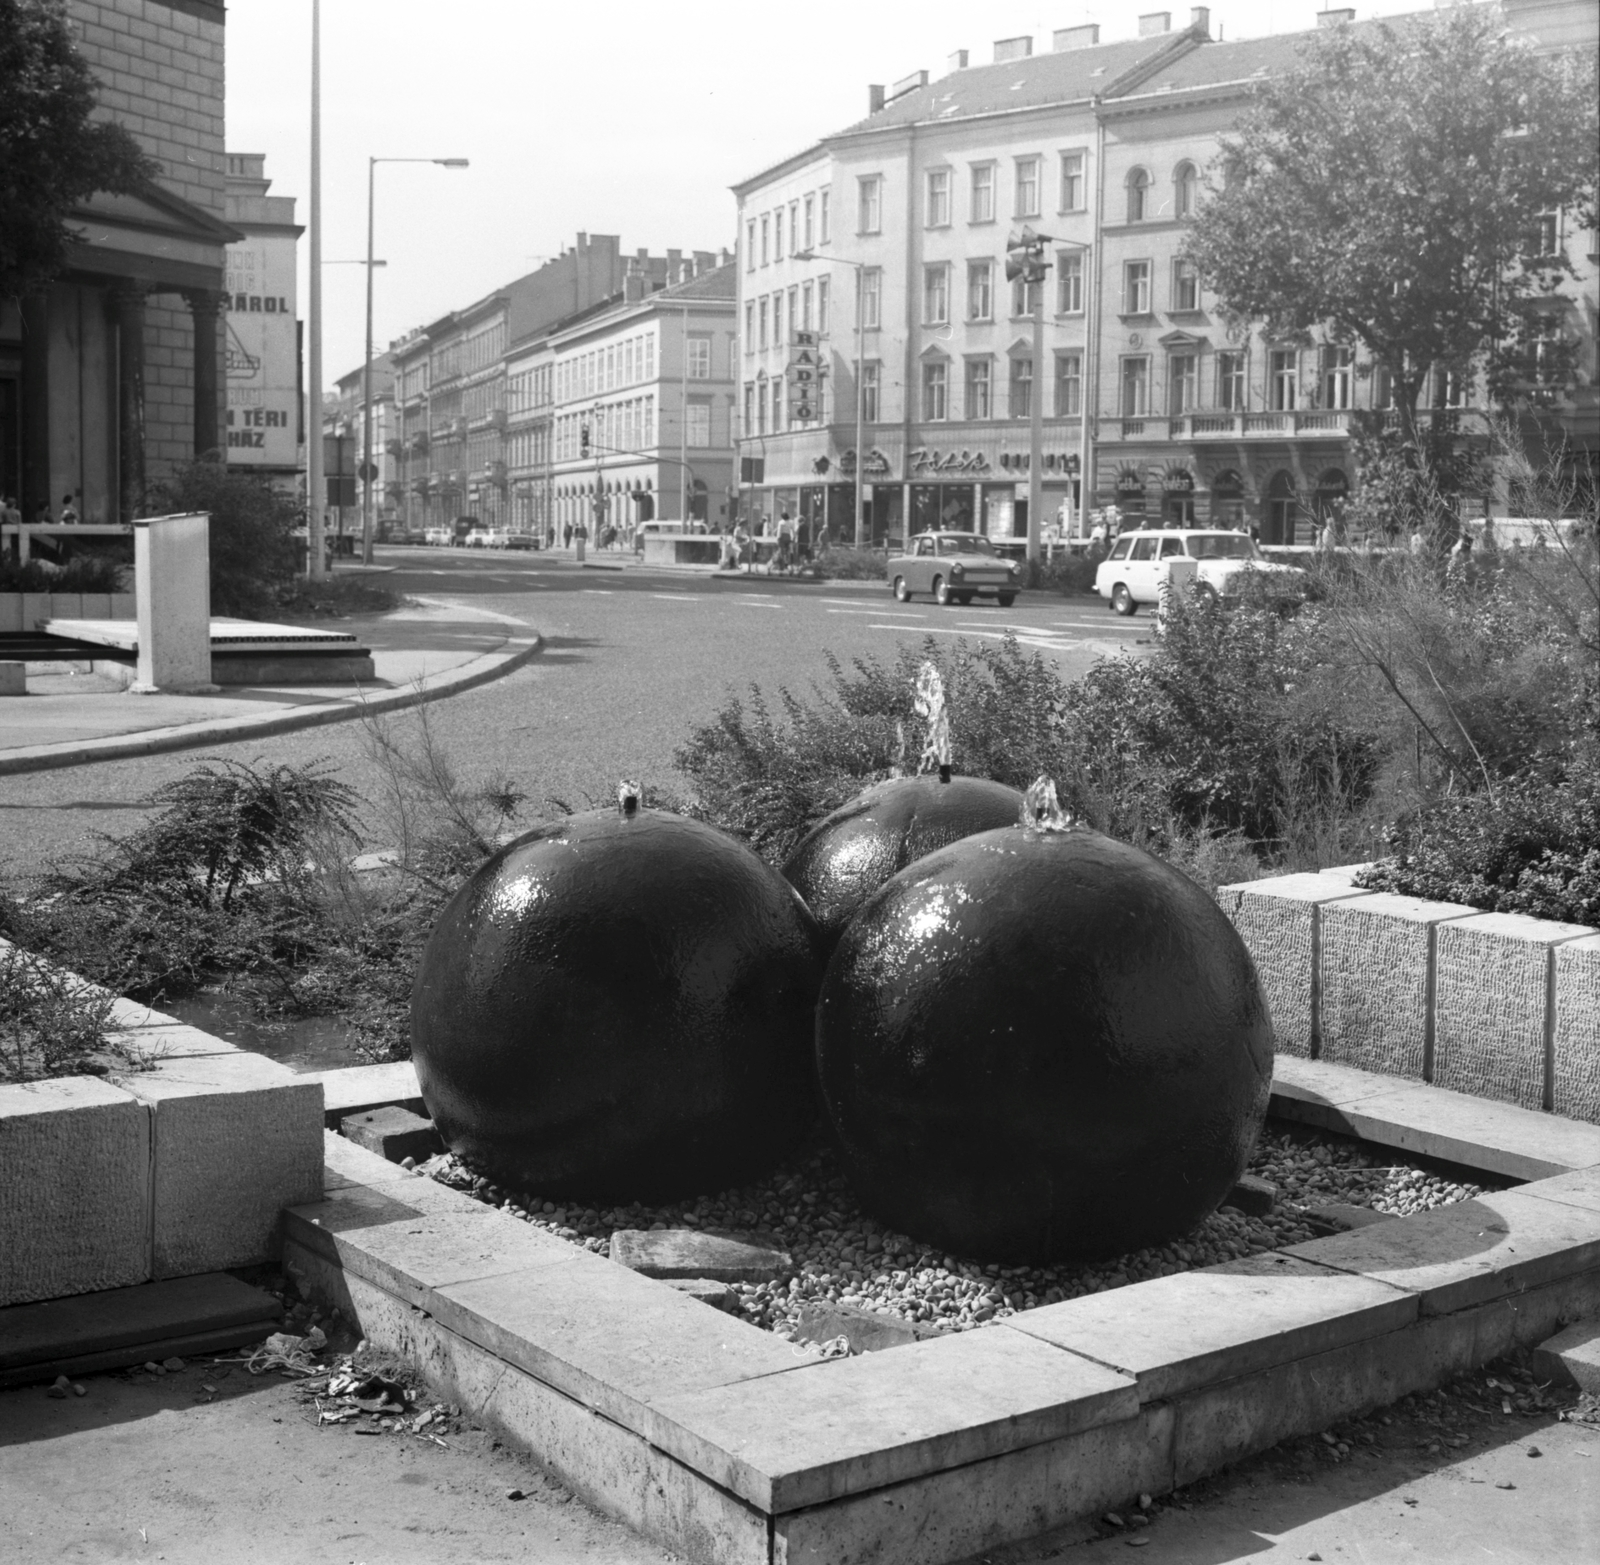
(634,660)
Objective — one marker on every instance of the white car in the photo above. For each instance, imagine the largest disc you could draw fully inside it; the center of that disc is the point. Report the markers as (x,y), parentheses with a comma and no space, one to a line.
(436,537)
(1132,573)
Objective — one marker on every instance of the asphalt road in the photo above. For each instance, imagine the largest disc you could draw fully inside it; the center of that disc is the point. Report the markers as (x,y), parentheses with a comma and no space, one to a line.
(634,660)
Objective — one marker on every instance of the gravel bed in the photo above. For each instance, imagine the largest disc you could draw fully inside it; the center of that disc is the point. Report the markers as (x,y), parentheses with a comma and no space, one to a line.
(841,1254)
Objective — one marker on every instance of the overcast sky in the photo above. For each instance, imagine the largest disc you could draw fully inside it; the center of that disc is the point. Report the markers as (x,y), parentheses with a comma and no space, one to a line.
(627,117)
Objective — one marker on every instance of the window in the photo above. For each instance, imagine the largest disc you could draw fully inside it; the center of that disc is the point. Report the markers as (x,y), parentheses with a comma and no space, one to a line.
(761,405)
(1284,378)
(869,392)
(1069,385)
(805,306)
(935,295)
(1138,196)
(982,193)
(699,358)
(980,290)
(1024,295)
(777,235)
(1069,282)
(824,216)
(935,390)
(1183,383)
(822,304)
(1074,188)
(1027,200)
(750,245)
(1136,288)
(1547,233)
(766,239)
(1144,549)
(1230,380)
(697,424)
(1185,190)
(1338,377)
(777,320)
(811,222)
(1135,387)
(936,209)
(776,388)
(871,296)
(1447,388)
(979,399)
(794,226)
(1185,285)
(869,204)
(1020,404)
(762,316)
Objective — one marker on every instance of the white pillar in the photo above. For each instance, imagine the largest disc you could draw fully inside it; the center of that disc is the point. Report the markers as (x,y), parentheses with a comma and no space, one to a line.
(172,587)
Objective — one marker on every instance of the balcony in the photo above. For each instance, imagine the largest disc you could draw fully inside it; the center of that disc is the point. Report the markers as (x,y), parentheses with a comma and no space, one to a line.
(1301,424)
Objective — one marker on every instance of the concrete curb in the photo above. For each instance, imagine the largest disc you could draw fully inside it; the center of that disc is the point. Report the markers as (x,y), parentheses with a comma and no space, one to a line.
(157,741)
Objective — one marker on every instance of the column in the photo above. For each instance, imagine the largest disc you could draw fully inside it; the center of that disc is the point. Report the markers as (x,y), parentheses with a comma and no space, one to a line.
(35,485)
(127,308)
(205,307)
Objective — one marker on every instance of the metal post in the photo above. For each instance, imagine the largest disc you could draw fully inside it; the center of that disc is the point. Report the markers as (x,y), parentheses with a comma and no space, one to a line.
(861,443)
(316,489)
(366,389)
(683,424)
(1036,425)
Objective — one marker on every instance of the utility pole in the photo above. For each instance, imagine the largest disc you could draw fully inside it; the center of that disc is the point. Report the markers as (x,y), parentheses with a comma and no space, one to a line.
(1025,259)
(316,488)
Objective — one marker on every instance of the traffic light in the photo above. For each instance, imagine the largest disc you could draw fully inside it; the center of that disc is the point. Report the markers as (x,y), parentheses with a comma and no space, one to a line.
(1025,256)
(583,440)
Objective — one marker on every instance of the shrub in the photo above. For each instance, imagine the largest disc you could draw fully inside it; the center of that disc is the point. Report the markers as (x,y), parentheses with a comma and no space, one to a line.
(82,573)
(1068,574)
(50,1023)
(849,564)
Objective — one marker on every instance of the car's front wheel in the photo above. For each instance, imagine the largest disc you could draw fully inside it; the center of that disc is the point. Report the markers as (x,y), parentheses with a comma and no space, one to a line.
(941,590)
(1122,600)
(1006,599)
(901,591)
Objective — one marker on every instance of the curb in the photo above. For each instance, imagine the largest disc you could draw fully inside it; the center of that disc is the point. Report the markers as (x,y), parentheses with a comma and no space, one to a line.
(157,741)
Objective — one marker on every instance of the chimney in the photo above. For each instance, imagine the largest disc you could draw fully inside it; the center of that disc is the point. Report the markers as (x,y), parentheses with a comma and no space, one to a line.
(633,282)
(1085,37)
(724,258)
(704,261)
(1333,18)
(1153,23)
(674,267)
(907,84)
(1200,20)
(874,99)
(958,60)
(1012,49)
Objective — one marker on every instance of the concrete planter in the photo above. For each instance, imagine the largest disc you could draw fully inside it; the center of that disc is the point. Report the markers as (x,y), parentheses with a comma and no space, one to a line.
(21,611)
(172,1171)
(1493,1004)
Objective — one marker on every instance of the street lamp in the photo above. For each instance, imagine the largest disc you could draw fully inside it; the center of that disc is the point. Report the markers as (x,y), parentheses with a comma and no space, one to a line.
(366,369)
(861,454)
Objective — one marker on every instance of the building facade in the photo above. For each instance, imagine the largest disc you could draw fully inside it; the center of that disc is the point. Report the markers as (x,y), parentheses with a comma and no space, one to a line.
(116,374)
(888,240)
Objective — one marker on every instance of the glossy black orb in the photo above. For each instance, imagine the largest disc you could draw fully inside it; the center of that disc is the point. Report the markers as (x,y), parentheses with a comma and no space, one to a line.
(847,855)
(620,1006)
(1041,1045)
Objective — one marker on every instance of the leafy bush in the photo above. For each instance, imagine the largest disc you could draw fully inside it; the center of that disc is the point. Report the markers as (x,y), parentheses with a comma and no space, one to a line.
(50,1024)
(1068,574)
(847,564)
(82,573)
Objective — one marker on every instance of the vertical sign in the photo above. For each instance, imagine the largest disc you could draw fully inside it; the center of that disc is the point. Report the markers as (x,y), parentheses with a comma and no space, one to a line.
(260,319)
(804,368)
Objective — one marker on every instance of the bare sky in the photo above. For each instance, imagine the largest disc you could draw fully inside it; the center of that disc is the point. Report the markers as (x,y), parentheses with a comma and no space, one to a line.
(626,117)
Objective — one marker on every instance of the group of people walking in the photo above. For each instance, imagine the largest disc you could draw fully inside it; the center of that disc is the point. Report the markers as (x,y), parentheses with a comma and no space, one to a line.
(11,513)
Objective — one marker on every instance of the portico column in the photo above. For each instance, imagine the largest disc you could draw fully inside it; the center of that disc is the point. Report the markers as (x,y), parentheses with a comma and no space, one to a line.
(127,306)
(35,475)
(205,307)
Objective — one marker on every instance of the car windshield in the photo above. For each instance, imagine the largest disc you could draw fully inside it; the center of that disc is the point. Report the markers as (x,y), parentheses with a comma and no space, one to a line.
(1223,546)
(965,543)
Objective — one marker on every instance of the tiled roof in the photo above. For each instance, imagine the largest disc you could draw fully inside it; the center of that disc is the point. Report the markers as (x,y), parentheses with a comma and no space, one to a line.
(721,282)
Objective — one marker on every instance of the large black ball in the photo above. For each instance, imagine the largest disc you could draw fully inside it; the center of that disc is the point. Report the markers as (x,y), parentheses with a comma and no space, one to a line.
(620,1006)
(1042,1045)
(847,855)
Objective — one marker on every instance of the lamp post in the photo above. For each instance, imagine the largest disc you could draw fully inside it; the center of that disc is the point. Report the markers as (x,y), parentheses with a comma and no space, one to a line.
(316,496)
(861,455)
(366,369)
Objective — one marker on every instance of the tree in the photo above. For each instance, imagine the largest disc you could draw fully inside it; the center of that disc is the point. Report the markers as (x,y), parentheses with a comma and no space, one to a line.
(53,154)
(1389,189)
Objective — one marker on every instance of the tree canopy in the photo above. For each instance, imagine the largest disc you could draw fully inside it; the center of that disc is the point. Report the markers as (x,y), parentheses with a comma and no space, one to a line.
(1389,189)
(53,153)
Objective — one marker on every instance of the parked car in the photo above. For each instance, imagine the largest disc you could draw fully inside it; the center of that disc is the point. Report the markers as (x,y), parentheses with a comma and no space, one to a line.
(1132,572)
(953,568)
(438,537)
(522,541)
(486,538)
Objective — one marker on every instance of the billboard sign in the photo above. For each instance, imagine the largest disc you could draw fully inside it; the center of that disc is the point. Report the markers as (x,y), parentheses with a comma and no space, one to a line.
(261,352)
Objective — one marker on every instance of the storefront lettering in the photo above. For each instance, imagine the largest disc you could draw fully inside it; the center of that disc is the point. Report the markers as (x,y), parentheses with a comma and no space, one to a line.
(877,462)
(924,460)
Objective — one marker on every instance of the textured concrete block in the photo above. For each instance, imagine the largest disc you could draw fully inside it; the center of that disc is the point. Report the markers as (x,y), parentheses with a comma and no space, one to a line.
(74,1189)
(358,1088)
(393,1133)
(686,1252)
(10,611)
(1575,1040)
(1279,920)
(1571,1357)
(1454,1257)
(844,1426)
(1579,1188)
(1493,988)
(611,1467)
(235,1139)
(1175,1333)
(1377,963)
(35,609)
(1252,1195)
(704,1291)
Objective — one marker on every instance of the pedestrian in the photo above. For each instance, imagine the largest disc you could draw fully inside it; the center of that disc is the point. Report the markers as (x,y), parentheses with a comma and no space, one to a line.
(566,536)
(741,545)
(69,512)
(9,514)
(785,541)
(44,516)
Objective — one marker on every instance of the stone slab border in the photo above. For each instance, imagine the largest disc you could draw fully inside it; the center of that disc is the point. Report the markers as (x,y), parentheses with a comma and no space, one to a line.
(735,1448)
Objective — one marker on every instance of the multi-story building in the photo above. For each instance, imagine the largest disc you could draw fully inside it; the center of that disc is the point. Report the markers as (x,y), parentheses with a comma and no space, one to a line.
(889,238)
(344,416)
(265,417)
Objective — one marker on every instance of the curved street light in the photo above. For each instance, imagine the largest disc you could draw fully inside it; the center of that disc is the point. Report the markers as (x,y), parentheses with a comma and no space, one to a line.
(861,455)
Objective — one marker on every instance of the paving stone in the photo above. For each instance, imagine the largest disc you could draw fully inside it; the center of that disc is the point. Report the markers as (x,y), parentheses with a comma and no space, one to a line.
(1571,1357)
(1579,1188)
(1575,1036)
(1279,919)
(606,1335)
(1492,993)
(393,1133)
(1341,1217)
(843,1426)
(704,1291)
(865,1330)
(357,1088)
(1252,1195)
(1456,1256)
(235,1139)
(74,1189)
(687,1252)
(1377,963)
(1219,1322)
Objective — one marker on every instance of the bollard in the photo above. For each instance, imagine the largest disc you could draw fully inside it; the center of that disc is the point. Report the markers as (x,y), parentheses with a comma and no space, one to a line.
(13,679)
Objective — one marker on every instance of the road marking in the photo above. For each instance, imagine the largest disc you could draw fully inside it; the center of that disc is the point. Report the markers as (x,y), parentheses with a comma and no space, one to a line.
(909,614)
(754,603)
(675,597)
(848,602)
(605,592)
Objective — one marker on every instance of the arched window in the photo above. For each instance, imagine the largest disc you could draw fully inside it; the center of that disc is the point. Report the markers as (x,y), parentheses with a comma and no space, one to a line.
(1138,195)
(1185,190)
(1282,506)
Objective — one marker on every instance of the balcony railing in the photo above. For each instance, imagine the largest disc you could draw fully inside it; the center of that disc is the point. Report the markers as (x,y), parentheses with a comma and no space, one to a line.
(1285,425)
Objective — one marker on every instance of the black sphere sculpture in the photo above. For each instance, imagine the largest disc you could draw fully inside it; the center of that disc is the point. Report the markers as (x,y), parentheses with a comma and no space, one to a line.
(1041,1044)
(620,1005)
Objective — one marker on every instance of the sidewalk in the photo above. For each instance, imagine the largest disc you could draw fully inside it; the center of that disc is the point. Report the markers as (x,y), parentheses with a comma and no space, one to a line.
(428,649)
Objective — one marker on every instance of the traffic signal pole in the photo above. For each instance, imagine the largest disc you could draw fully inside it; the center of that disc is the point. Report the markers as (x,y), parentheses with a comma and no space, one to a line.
(1036,424)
